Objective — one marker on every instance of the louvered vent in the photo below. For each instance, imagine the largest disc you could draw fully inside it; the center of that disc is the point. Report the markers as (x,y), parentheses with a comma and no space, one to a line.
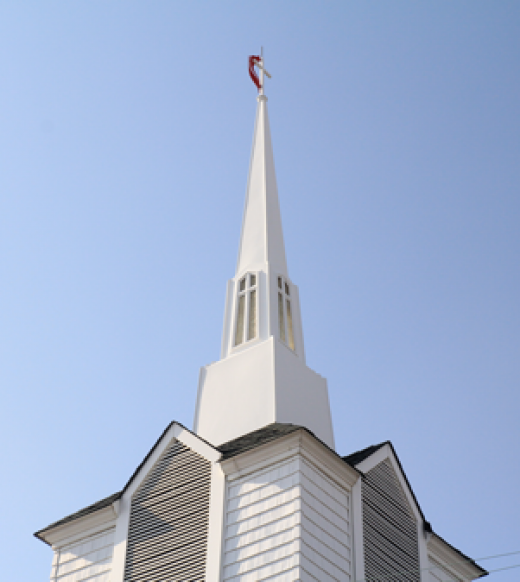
(391,545)
(168,529)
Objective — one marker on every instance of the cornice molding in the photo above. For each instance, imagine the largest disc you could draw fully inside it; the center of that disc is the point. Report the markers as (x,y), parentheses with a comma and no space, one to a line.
(450,559)
(82,526)
(297,442)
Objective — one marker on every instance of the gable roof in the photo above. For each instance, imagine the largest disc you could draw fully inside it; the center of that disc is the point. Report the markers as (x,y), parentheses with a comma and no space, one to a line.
(230,449)
(81,513)
(115,496)
(359,456)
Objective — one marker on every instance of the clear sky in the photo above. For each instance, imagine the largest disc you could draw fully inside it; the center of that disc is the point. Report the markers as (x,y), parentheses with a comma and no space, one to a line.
(125,134)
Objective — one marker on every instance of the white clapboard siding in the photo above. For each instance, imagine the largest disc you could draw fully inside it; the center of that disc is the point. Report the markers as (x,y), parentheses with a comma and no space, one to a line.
(88,559)
(285,523)
(438,574)
(168,530)
(391,544)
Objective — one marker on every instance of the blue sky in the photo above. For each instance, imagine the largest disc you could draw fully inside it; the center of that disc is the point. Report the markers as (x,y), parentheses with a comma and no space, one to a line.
(125,133)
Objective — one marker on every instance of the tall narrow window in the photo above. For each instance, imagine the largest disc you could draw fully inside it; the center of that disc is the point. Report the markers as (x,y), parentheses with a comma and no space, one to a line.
(240,320)
(246,314)
(289,325)
(285,318)
(281,318)
(251,326)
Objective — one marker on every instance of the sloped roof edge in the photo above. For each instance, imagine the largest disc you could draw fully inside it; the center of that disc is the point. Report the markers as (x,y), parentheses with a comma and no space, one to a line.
(483,571)
(265,435)
(257,438)
(115,496)
(359,456)
(81,513)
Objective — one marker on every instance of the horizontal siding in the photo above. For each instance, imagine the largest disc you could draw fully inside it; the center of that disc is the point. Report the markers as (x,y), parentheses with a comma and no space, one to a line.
(291,575)
(281,516)
(326,526)
(89,559)
(438,574)
(262,525)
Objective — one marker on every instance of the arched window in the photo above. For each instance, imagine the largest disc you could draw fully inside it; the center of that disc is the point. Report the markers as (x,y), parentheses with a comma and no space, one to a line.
(246,326)
(285,322)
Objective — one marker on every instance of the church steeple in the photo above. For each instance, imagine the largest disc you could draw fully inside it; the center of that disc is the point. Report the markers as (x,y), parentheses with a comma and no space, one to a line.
(261,377)
(261,240)
(266,302)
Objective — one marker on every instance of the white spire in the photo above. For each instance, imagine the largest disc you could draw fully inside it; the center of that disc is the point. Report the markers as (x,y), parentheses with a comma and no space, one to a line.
(261,377)
(261,240)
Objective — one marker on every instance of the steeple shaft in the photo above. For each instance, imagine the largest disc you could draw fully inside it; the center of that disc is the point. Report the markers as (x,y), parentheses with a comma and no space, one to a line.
(261,240)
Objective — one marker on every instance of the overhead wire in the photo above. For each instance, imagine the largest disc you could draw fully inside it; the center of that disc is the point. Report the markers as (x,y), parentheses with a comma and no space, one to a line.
(489,572)
(391,577)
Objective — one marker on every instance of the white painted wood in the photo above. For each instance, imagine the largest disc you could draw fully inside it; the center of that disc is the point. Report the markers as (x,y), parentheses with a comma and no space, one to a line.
(357,523)
(436,573)
(264,379)
(443,560)
(298,323)
(216,524)
(81,527)
(87,559)
(265,383)
(287,521)
(261,239)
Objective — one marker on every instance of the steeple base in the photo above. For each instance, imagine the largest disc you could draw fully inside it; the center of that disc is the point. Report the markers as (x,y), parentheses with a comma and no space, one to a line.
(255,387)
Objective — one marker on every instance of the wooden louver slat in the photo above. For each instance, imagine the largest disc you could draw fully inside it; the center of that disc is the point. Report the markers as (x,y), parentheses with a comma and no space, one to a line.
(167,534)
(391,544)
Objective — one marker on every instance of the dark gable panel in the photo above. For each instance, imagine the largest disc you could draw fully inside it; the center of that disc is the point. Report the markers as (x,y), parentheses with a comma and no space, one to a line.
(168,530)
(391,543)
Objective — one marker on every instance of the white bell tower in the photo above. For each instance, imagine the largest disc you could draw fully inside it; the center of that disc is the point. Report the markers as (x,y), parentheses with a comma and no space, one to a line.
(261,377)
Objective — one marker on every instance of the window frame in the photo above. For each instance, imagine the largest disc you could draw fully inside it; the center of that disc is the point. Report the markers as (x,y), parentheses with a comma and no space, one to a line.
(246,293)
(284,288)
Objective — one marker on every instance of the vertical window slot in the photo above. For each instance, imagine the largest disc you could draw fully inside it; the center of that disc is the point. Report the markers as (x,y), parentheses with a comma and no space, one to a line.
(281,318)
(285,316)
(251,327)
(239,335)
(246,326)
(289,324)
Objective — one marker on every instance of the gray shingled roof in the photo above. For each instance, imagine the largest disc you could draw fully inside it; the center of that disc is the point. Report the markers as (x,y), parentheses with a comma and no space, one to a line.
(81,513)
(359,456)
(257,438)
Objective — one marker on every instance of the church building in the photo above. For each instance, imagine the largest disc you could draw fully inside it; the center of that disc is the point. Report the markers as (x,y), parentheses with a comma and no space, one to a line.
(258,490)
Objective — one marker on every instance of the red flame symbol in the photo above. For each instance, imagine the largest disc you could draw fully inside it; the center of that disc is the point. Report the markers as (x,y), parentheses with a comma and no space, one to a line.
(252,73)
